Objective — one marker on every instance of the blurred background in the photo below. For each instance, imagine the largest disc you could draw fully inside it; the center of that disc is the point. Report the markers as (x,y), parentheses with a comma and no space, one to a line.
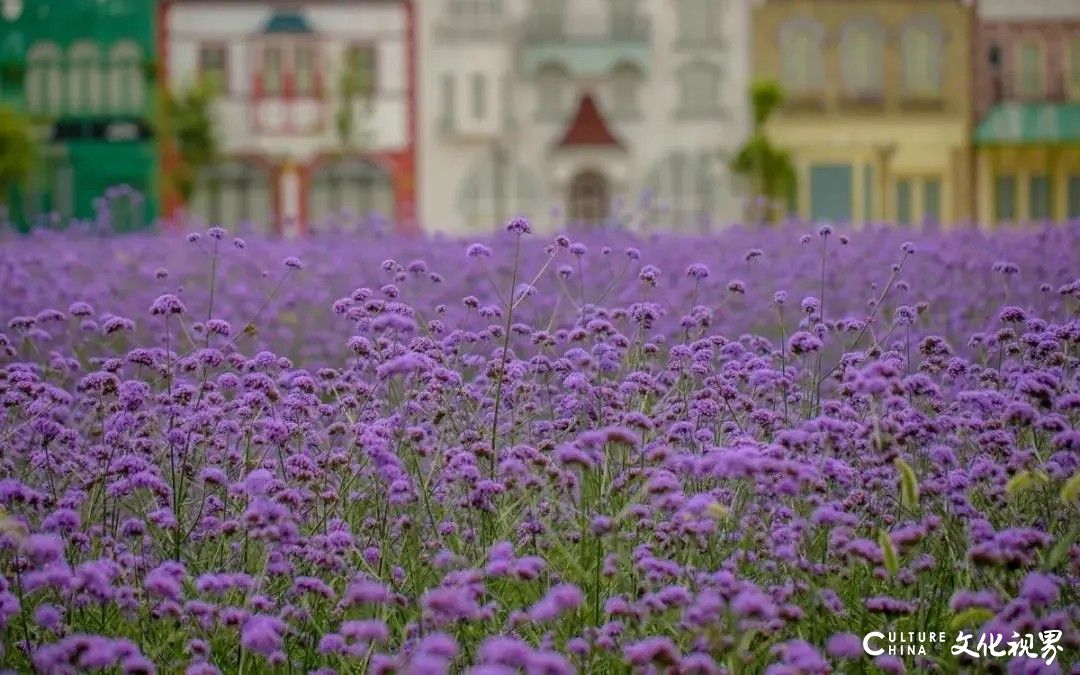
(288,117)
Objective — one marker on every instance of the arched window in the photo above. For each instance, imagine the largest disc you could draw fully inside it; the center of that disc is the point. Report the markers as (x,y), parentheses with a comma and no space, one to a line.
(862,58)
(85,84)
(685,191)
(625,81)
(551,94)
(802,56)
(699,90)
(352,187)
(126,86)
(496,189)
(233,192)
(44,79)
(920,54)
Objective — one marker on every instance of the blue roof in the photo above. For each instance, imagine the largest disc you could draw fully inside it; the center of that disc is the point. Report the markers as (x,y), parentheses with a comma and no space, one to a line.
(287,22)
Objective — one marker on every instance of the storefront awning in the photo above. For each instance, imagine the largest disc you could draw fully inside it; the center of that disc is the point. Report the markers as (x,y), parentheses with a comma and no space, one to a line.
(1022,123)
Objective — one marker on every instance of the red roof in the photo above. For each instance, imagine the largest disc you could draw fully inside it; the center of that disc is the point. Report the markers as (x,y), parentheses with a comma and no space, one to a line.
(588,128)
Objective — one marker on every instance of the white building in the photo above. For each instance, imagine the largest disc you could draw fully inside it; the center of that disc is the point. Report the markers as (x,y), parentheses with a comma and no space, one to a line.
(314,108)
(581,111)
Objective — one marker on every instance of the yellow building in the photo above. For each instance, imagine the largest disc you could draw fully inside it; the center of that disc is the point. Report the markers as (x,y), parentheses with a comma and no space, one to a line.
(877,113)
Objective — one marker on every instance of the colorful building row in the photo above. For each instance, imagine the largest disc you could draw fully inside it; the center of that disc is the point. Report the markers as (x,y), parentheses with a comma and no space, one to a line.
(457,114)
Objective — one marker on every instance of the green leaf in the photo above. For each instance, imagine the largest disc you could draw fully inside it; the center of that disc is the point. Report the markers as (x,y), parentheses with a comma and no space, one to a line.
(909,484)
(1018,484)
(1070,491)
(972,617)
(888,551)
(1061,547)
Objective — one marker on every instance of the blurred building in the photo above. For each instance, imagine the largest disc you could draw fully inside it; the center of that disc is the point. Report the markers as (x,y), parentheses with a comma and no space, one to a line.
(1027,101)
(83,70)
(583,111)
(877,113)
(314,107)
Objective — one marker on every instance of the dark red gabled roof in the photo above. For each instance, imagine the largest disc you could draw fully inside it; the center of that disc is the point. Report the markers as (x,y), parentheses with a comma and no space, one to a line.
(588,128)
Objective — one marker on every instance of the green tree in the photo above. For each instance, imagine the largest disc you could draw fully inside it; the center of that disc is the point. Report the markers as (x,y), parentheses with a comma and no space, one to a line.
(188,126)
(18,154)
(344,121)
(356,84)
(768,169)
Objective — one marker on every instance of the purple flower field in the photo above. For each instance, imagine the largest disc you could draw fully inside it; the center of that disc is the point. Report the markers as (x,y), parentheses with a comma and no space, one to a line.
(600,453)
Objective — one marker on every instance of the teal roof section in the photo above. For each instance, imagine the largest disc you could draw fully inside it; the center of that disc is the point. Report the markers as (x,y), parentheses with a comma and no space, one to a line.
(1030,123)
(287,22)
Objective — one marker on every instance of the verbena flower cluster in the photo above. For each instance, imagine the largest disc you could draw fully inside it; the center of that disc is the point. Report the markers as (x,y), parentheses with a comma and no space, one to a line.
(592,453)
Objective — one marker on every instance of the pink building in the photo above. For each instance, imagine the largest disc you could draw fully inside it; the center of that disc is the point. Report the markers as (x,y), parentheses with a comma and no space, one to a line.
(314,109)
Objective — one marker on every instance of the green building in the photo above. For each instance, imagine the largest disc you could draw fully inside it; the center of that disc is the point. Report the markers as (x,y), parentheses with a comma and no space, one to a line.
(83,70)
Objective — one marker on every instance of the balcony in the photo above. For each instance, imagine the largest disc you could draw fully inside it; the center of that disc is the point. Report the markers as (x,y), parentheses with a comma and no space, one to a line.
(593,46)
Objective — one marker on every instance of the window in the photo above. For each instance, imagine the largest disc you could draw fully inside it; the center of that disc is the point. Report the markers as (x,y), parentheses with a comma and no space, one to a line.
(862,59)
(685,190)
(699,91)
(44,79)
(479,96)
(624,88)
(84,78)
(304,57)
(931,201)
(127,86)
(214,67)
(624,19)
(550,94)
(496,189)
(697,22)
(233,193)
(868,193)
(352,187)
(447,97)
(509,119)
(1074,196)
(548,19)
(1073,75)
(1039,197)
(921,49)
(1029,69)
(1005,198)
(273,71)
(802,56)
(903,202)
(363,65)
(474,10)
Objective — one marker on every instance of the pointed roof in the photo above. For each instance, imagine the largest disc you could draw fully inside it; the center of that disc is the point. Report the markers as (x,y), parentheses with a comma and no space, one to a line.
(288,21)
(588,128)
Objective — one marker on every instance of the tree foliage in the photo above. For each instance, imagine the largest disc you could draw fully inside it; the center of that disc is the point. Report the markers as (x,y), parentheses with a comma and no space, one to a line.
(188,126)
(768,169)
(17,151)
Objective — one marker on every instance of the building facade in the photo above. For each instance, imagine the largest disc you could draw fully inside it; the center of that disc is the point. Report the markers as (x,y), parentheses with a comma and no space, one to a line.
(583,111)
(314,108)
(1027,103)
(84,71)
(877,113)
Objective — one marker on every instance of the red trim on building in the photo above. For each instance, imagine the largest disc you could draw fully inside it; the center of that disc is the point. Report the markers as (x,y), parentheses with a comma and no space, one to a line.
(169,160)
(588,128)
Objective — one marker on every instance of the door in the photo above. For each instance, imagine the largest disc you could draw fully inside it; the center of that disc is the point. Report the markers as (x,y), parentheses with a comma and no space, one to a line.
(830,192)
(588,198)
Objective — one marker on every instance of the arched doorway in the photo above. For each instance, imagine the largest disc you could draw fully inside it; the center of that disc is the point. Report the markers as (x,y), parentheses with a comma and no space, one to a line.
(589,198)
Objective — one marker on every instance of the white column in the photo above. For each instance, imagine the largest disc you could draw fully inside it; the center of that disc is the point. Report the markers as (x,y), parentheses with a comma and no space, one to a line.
(290,200)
